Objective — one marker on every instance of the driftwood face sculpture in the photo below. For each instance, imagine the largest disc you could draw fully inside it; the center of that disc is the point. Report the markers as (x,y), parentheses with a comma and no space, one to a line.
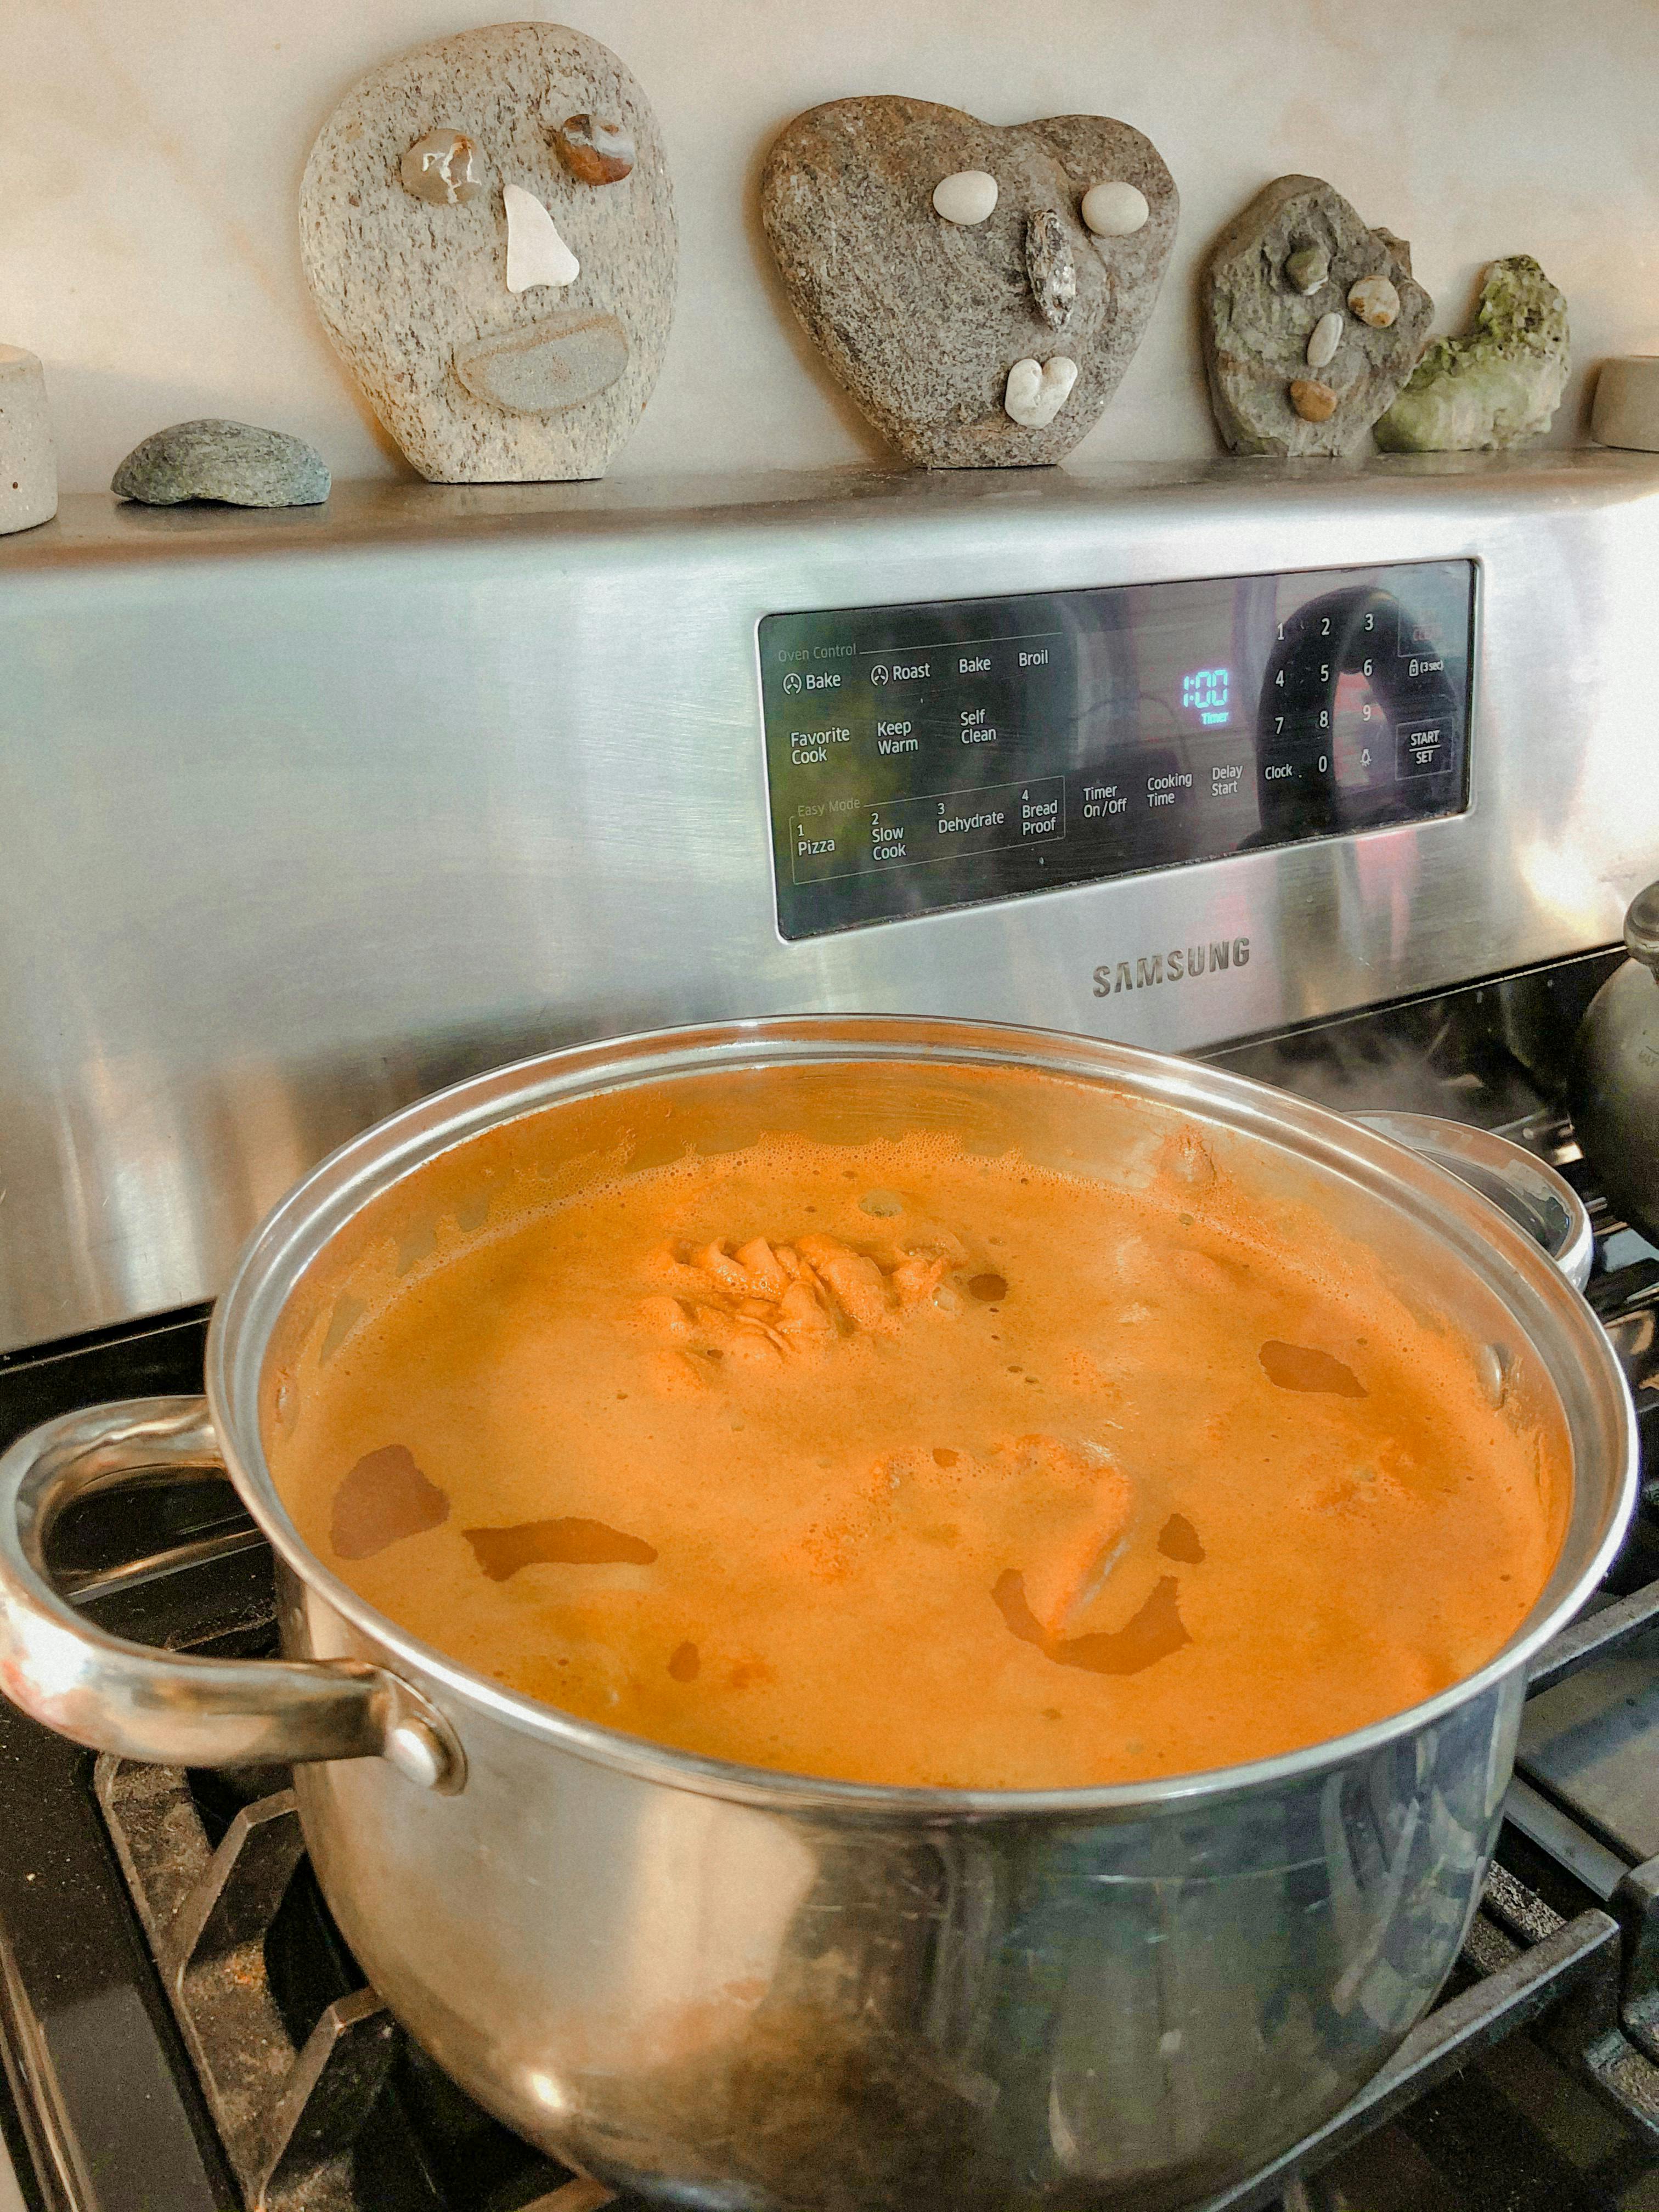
(488,232)
(979,291)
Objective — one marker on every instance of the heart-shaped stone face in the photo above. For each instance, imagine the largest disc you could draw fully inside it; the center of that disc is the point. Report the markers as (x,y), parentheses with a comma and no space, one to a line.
(922,319)
(488,232)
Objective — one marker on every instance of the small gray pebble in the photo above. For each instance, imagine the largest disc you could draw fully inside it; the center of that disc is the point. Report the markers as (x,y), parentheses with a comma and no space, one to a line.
(235,463)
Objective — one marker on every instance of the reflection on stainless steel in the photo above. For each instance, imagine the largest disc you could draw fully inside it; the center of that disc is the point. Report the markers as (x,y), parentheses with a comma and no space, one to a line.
(756,1989)
(310,811)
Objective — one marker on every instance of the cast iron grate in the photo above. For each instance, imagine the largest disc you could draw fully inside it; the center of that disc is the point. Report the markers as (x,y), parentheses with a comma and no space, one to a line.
(321,2103)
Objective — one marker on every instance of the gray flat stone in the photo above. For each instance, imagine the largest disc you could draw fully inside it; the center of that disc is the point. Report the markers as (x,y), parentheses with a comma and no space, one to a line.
(1257,321)
(236,463)
(920,319)
(414,295)
(1499,383)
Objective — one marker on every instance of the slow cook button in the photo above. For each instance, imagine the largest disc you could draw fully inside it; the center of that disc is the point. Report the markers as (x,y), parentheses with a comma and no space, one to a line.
(1423,748)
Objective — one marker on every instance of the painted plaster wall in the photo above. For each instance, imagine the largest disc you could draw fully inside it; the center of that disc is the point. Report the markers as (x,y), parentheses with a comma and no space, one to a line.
(151,153)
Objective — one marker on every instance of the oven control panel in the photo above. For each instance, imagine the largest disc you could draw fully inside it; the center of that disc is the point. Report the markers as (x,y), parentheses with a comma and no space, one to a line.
(926,757)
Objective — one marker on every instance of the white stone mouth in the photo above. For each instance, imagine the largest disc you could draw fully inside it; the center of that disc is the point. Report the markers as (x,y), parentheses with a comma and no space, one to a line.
(555,363)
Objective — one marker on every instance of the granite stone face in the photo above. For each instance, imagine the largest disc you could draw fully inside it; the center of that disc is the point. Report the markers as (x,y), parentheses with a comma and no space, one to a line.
(415,295)
(1290,261)
(1499,383)
(923,319)
(235,463)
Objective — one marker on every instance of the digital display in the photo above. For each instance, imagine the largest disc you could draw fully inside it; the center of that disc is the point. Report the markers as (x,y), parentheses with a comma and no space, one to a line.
(921,757)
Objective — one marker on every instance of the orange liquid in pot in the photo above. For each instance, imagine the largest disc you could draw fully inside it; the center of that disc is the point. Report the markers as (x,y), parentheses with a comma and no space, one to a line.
(905,1465)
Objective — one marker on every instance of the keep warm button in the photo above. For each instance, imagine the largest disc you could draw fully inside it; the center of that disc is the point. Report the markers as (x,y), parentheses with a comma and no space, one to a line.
(1423,748)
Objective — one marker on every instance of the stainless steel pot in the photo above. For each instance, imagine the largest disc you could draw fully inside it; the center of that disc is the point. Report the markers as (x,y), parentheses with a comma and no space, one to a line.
(734,1987)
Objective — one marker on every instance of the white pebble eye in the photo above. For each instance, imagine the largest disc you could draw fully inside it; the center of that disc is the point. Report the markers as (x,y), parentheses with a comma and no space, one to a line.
(967,198)
(536,254)
(1115,210)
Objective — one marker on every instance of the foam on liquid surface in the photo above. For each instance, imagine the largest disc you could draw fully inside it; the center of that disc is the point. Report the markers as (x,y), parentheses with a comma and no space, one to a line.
(902,1464)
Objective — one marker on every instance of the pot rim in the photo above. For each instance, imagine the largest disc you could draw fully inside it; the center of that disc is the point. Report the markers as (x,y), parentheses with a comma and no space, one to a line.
(1479,1236)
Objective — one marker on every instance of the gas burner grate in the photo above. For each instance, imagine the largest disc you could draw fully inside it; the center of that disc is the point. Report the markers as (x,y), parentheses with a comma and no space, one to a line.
(296,2113)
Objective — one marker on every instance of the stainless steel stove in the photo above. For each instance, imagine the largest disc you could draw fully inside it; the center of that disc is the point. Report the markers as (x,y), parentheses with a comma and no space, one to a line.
(1333,775)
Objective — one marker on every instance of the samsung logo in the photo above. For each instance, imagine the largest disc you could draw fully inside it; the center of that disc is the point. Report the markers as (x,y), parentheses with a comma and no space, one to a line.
(1175,966)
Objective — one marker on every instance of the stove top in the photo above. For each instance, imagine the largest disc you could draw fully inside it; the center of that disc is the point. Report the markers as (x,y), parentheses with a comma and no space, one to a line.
(185,2030)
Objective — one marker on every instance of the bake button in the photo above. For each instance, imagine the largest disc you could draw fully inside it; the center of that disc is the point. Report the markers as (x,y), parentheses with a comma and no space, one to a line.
(1423,748)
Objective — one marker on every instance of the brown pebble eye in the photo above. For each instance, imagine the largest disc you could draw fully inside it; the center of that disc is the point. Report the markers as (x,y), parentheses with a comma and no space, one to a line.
(442,169)
(595,150)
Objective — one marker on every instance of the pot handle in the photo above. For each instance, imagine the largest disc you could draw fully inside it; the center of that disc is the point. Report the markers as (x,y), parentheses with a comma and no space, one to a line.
(167,1706)
(1535,1198)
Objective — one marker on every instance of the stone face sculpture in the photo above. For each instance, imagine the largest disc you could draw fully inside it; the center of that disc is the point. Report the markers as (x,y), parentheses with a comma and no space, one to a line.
(28,453)
(488,230)
(946,271)
(235,463)
(1499,383)
(1312,322)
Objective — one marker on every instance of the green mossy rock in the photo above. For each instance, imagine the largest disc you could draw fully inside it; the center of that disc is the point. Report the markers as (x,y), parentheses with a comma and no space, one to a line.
(1500,383)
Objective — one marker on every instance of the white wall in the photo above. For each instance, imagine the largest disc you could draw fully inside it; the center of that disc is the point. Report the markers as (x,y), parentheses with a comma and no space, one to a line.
(150,154)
